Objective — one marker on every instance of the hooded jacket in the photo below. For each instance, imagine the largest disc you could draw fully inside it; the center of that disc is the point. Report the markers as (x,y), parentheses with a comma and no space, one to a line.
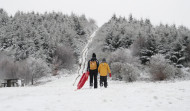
(104,69)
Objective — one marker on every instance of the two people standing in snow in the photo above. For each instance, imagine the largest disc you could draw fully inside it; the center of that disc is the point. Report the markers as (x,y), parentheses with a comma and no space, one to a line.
(94,68)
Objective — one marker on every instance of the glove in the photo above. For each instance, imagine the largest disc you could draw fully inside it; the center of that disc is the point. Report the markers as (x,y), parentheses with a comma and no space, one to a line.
(110,74)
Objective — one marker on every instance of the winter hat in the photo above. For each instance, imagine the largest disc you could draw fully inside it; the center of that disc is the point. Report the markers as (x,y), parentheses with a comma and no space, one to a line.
(94,55)
(103,60)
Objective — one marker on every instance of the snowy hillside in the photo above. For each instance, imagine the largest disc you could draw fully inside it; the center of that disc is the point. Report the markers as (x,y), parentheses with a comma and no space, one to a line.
(60,95)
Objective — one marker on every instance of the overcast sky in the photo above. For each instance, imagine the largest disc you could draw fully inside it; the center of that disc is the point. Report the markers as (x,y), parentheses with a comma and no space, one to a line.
(158,11)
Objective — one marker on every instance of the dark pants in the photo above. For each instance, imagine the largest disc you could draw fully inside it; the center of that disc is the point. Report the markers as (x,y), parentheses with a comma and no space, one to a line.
(103,81)
(93,76)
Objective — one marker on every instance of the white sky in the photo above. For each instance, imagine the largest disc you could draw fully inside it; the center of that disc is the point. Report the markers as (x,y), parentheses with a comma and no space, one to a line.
(158,11)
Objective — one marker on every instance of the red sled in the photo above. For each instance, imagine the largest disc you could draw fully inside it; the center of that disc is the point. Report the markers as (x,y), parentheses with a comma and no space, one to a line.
(83,80)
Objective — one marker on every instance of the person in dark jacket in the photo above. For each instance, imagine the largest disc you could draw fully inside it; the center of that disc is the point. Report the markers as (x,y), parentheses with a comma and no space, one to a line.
(92,67)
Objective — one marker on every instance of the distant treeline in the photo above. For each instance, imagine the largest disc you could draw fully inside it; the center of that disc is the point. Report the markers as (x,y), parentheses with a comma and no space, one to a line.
(38,34)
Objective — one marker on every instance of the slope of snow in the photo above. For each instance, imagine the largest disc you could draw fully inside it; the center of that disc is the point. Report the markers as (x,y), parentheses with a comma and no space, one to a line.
(60,95)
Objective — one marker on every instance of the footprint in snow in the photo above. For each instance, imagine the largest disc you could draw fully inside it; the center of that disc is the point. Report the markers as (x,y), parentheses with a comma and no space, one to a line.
(155,97)
(170,102)
(104,100)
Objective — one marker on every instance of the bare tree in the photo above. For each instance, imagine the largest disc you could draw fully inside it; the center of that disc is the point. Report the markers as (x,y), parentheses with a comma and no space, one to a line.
(37,70)
(63,58)
(137,46)
(8,68)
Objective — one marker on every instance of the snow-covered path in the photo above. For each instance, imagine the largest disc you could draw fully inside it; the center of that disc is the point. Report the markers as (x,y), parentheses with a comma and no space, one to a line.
(60,95)
(83,61)
(84,55)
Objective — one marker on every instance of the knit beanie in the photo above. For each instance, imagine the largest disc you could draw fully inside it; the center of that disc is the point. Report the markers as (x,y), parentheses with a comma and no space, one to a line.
(103,60)
(94,55)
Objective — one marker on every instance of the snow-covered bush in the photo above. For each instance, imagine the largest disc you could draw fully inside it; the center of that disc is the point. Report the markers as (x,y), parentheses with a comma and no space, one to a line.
(116,70)
(124,71)
(123,56)
(123,65)
(129,72)
(186,73)
(118,56)
(160,69)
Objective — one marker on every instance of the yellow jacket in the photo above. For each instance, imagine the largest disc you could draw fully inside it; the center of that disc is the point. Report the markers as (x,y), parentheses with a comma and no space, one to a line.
(104,69)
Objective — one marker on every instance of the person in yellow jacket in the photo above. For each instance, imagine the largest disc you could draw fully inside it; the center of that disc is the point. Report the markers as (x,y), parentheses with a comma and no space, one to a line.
(104,69)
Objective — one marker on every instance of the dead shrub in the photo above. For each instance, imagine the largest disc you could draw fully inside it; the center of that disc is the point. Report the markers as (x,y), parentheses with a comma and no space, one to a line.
(116,70)
(160,69)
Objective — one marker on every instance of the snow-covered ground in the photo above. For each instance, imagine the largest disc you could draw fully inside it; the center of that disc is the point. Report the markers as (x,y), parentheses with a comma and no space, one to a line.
(60,95)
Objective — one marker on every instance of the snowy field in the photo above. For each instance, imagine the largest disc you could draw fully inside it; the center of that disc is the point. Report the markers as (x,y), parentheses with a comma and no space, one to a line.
(60,95)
